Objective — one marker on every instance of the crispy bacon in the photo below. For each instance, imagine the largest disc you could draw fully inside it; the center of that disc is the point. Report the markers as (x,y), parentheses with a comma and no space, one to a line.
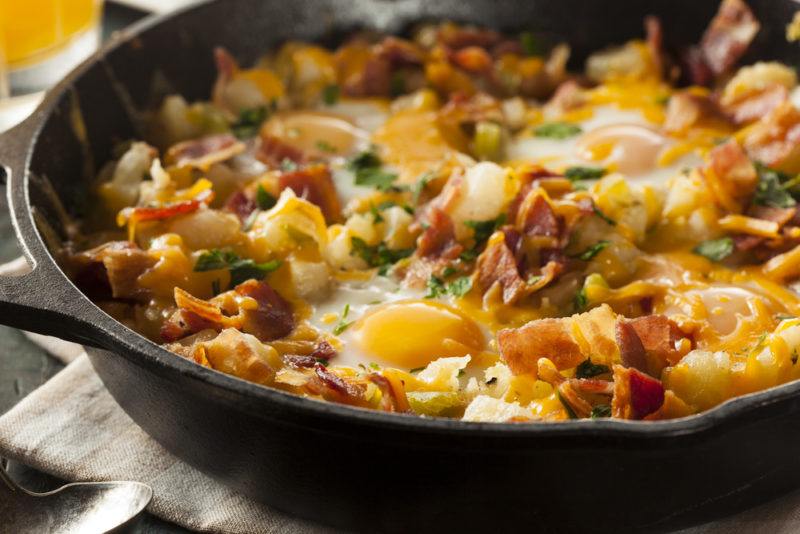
(299,361)
(400,52)
(394,396)
(241,205)
(334,388)
(686,109)
(226,68)
(375,79)
(537,218)
(273,318)
(273,151)
(728,35)
(761,104)
(111,270)
(659,336)
(636,395)
(457,37)
(631,350)
(323,351)
(694,69)
(655,41)
(204,152)
(567,97)
(497,265)
(775,139)
(522,347)
(315,184)
(160,213)
(438,240)
(730,175)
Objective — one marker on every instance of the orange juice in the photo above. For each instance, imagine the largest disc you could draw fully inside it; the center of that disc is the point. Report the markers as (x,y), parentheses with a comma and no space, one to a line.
(34,29)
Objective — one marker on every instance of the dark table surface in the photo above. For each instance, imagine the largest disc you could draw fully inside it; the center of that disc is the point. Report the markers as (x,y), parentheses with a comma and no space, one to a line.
(23,365)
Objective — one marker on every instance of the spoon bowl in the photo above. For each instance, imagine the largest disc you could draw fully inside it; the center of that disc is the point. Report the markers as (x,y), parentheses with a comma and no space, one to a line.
(81,507)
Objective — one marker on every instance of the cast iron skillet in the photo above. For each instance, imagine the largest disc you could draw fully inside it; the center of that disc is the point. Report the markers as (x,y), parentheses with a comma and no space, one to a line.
(343,466)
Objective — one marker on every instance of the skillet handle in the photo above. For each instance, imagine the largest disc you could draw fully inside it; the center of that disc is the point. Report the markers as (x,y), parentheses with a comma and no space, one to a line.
(42,300)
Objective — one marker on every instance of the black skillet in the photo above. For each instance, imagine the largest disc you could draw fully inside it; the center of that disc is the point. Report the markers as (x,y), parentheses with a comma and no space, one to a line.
(347,467)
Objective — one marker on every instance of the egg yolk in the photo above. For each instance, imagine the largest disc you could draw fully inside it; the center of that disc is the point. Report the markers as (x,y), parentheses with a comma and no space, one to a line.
(411,334)
(631,148)
(315,132)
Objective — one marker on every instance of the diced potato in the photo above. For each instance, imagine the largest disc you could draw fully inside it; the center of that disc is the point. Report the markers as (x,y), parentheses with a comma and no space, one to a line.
(129,172)
(362,225)
(243,355)
(311,280)
(630,61)
(293,223)
(338,252)
(207,229)
(395,228)
(443,373)
(702,378)
(487,409)
(755,78)
(484,192)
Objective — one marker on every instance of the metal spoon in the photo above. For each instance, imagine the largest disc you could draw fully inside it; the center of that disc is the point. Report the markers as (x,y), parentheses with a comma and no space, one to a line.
(82,507)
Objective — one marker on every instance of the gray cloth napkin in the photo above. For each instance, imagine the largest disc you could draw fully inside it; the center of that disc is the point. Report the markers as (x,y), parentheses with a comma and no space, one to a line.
(72,428)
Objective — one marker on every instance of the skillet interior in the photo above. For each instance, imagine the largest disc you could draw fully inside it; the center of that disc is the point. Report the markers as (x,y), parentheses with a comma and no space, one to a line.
(174,56)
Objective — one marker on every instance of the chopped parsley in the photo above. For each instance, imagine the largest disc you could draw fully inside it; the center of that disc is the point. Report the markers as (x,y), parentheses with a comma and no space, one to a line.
(420,185)
(593,250)
(397,84)
(367,167)
(249,121)
(587,369)
(241,269)
(379,255)
(530,45)
(288,165)
(580,301)
(264,200)
(482,230)
(771,190)
(601,411)
(557,130)
(330,94)
(715,249)
(597,211)
(584,173)
(457,288)
(342,325)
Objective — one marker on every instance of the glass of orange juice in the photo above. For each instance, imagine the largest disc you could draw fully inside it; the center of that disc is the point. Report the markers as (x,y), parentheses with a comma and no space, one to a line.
(41,40)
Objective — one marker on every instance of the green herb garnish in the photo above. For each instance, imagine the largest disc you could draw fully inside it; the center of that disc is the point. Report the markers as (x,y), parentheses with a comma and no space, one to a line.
(325,146)
(530,45)
(330,94)
(602,215)
(457,288)
(715,249)
(771,189)
(342,325)
(584,173)
(264,200)
(601,411)
(593,250)
(288,165)
(367,168)
(567,407)
(240,269)
(378,255)
(482,230)
(587,369)
(249,122)
(557,130)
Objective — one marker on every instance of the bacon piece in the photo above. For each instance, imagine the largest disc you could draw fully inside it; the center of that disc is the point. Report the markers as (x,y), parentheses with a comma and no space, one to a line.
(507,46)
(146,213)
(537,218)
(636,395)
(226,68)
(273,151)
(631,349)
(655,41)
(400,52)
(761,104)
(497,265)
(204,152)
(241,205)
(315,184)
(438,240)
(457,37)
(672,408)
(730,175)
(775,139)
(694,68)
(323,351)
(394,396)
(373,80)
(298,361)
(522,347)
(112,270)
(687,109)
(567,97)
(728,35)
(334,388)
(272,319)
(659,335)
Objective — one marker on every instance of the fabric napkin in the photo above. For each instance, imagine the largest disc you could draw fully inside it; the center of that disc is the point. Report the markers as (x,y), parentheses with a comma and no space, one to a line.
(72,428)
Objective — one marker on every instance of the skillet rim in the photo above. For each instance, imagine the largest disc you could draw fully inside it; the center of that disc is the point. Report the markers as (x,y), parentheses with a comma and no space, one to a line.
(225,388)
